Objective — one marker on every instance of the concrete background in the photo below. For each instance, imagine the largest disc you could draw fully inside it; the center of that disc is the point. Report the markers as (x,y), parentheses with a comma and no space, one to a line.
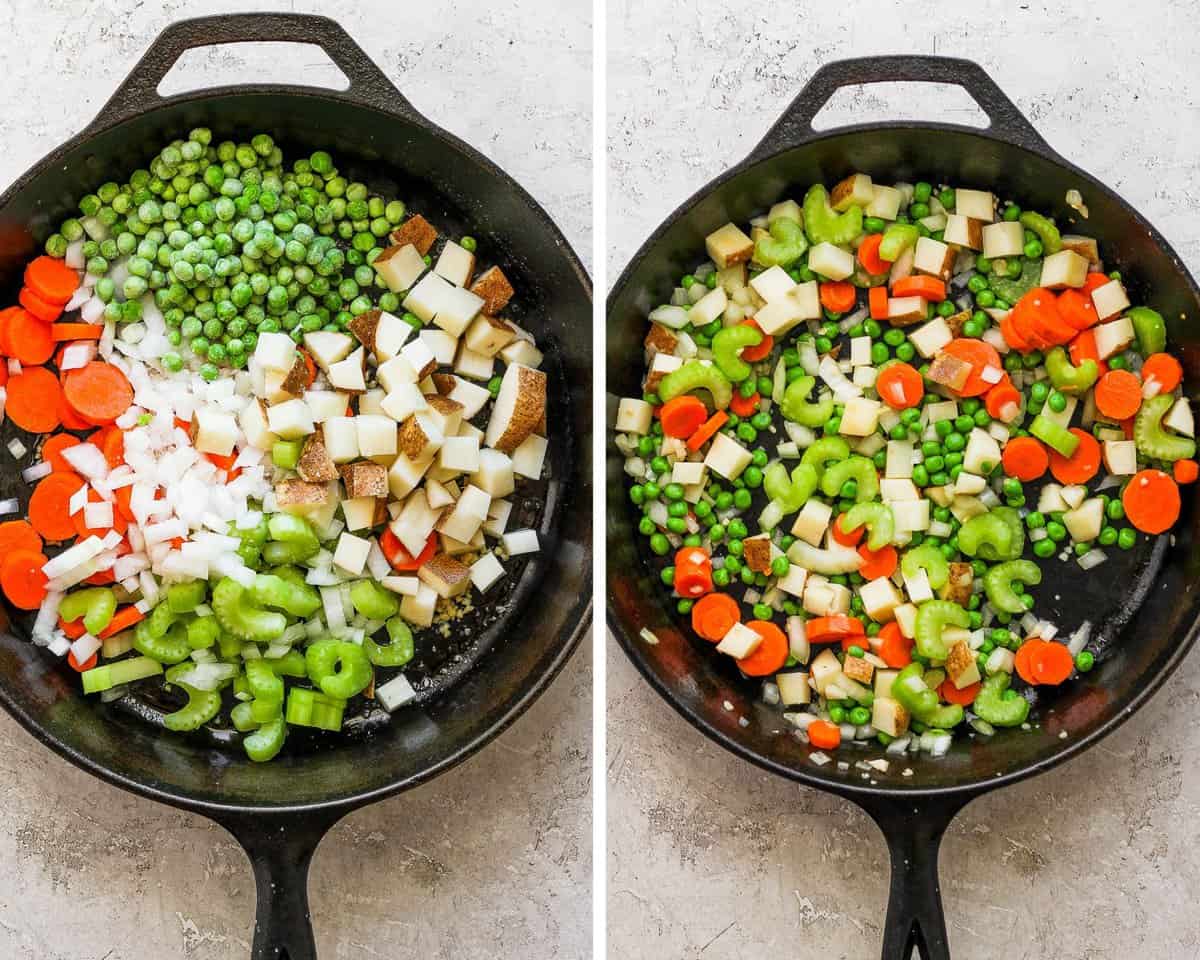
(493,859)
(710,858)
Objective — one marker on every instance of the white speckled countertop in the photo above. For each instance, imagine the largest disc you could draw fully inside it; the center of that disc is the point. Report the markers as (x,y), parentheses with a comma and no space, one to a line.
(711,859)
(493,859)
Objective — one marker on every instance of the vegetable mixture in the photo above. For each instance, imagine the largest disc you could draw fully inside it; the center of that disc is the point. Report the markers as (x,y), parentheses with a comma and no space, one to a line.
(255,392)
(868,425)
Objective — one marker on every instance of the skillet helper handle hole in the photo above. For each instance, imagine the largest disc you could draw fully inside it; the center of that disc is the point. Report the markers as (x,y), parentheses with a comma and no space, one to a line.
(360,79)
(913,827)
(280,849)
(1005,120)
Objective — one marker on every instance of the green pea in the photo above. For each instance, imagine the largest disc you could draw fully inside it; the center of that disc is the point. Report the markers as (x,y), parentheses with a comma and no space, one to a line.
(1056,531)
(753,477)
(985,298)
(1084,661)
(1126,538)
(906,351)
(1057,402)
(1114,510)
(659,544)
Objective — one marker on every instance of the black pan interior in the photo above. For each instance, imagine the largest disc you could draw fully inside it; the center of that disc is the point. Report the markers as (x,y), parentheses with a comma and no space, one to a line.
(518,638)
(1143,603)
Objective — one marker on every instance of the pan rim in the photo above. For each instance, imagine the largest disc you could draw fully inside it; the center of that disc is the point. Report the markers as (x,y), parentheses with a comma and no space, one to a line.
(577,620)
(811,778)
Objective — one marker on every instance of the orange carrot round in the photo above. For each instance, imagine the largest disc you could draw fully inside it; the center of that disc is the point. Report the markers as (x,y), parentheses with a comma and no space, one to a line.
(1082,465)
(770,654)
(838,296)
(877,302)
(900,386)
(693,572)
(1151,501)
(1186,471)
(744,406)
(824,735)
(86,665)
(1077,309)
(919,285)
(1083,347)
(1024,458)
(980,356)
(714,615)
(49,506)
(29,339)
(98,392)
(877,563)
(18,535)
(1024,660)
(1052,663)
(1003,401)
(1012,336)
(22,579)
(706,430)
(895,649)
(51,279)
(69,418)
(6,316)
(33,397)
(847,538)
(682,416)
(77,331)
(759,351)
(868,255)
(835,626)
(52,450)
(42,309)
(952,694)
(1094,281)
(1163,369)
(1118,394)
(111,441)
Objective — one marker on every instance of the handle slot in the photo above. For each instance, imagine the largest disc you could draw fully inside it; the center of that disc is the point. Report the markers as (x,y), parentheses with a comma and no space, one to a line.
(252,62)
(904,100)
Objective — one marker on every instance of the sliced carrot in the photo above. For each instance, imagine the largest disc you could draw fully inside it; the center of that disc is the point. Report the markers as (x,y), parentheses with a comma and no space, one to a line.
(123,619)
(980,356)
(77,331)
(1186,471)
(1012,336)
(101,578)
(1082,465)
(877,302)
(74,629)
(226,461)
(124,499)
(836,626)
(6,316)
(1024,660)
(744,406)
(847,538)
(952,694)
(52,451)
(1118,394)
(1053,328)
(49,506)
(1024,458)
(68,417)
(1025,317)
(824,735)
(29,339)
(770,654)
(859,640)
(900,386)
(681,416)
(1163,369)
(18,535)
(51,279)
(838,296)
(1094,281)
(714,615)
(1151,501)
(1083,347)
(920,285)
(1003,401)
(1052,663)
(706,430)
(894,648)
(868,255)
(33,397)
(22,579)
(98,392)
(1077,309)
(86,665)
(877,563)
(42,309)
(754,354)
(111,441)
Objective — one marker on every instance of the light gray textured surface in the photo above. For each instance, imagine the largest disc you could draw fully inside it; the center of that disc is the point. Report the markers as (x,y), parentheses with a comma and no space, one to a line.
(710,858)
(493,859)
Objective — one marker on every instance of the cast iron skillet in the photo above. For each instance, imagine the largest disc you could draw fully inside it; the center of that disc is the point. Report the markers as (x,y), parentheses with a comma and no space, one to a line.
(913,812)
(279,811)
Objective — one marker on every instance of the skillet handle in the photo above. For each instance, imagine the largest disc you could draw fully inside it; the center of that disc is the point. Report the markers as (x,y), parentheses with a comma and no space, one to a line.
(280,848)
(1007,121)
(913,828)
(139,91)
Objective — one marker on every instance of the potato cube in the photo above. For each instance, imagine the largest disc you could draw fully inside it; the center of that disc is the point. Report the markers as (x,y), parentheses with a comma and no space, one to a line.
(290,420)
(403,401)
(905,311)
(773,284)
(253,421)
(359,513)
(708,308)
(899,464)
(495,473)
(419,357)
(812,521)
(1120,456)
(855,190)
(455,263)
(961,666)
(860,417)
(351,553)
(404,475)
(976,204)
(415,230)
(793,581)
(341,439)
(214,432)
(476,366)
(485,572)
(1003,239)
(348,374)
(963,231)
(830,261)
(365,479)
(377,436)
(727,457)
(426,298)
(528,458)
(880,599)
(888,716)
(487,335)
(934,258)
(325,404)
(442,345)
(448,576)
(456,309)
(460,454)
(418,610)
(1110,299)
(493,286)
(399,267)
(275,351)
(1085,522)
(327,347)
(794,690)
(1113,337)
(885,203)
(728,245)
(858,669)
(1180,419)
(739,642)
(1064,269)
(931,337)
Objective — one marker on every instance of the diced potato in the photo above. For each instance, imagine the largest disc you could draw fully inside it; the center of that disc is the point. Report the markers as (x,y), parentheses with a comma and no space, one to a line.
(885,203)
(1086,247)
(377,436)
(415,230)
(708,308)
(1179,418)
(495,473)
(739,642)
(315,464)
(864,377)
(960,583)
(415,522)
(976,204)
(969,484)
(1064,269)
(910,516)
(1085,522)
(905,311)
(1113,337)
(1003,239)
(348,374)
(522,351)
(485,572)
(359,512)
(327,347)
(455,263)
(934,258)
(963,231)
(773,284)
(459,453)
(961,665)
(897,489)
(858,669)
(399,267)
(419,609)
(793,581)
(888,716)
(519,407)
(442,345)
(917,587)
(325,404)
(476,366)
(883,682)
(517,542)
(470,396)
(931,337)
(365,479)
(391,334)
(275,351)
(860,351)
(426,298)
(403,401)
(785,210)
(727,457)
(351,553)
(899,464)
(253,421)
(860,417)
(982,452)
(341,438)
(290,420)
(824,670)
(488,335)
(794,690)
(812,522)
(830,261)
(906,619)
(419,358)
(214,431)
(826,599)
(495,289)
(1120,456)
(404,475)
(687,472)
(880,599)
(456,309)
(942,410)
(855,190)
(950,371)
(728,245)
(448,576)
(530,455)
(1110,299)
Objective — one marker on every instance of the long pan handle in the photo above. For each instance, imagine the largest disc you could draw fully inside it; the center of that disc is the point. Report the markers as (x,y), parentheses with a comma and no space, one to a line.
(280,848)
(913,829)
(1006,120)
(139,91)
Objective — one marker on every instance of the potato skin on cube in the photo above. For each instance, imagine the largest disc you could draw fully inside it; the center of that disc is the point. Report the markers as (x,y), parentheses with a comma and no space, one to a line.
(415,230)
